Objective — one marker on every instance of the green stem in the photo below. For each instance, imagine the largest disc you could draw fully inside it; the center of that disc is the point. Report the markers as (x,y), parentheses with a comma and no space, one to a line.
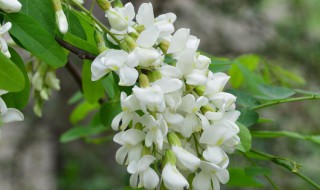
(105,29)
(196,144)
(273,184)
(271,103)
(291,166)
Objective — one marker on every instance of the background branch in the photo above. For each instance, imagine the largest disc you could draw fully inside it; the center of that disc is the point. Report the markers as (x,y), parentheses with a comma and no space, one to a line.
(82,54)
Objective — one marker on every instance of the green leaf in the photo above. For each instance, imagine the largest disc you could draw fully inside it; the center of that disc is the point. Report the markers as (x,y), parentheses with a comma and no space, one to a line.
(82,44)
(18,99)
(36,39)
(108,111)
(239,178)
(92,90)
(248,117)
(76,97)
(80,132)
(306,92)
(245,138)
(290,134)
(244,99)
(274,92)
(220,64)
(74,25)
(42,11)
(81,111)
(257,171)
(249,62)
(110,86)
(11,78)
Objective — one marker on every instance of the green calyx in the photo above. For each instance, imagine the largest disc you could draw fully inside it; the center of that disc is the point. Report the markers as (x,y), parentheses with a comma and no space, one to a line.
(174,140)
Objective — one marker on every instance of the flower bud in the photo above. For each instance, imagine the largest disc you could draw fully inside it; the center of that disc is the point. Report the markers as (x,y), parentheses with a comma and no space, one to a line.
(104,4)
(52,81)
(62,22)
(200,90)
(134,35)
(144,81)
(206,108)
(100,41)
(10,6)
(174,139)
(154,75)
(130,43)
(170,158)
(164,45)
(139,28)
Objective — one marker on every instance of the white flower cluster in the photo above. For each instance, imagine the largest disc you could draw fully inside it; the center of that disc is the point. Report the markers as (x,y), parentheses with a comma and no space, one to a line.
(177,125)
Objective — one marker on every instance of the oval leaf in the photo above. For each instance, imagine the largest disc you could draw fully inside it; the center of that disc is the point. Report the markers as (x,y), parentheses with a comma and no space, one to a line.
(11,78)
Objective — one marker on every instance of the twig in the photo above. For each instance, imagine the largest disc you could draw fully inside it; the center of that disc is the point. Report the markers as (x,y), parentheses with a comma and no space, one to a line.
(289,165)
(82,54)
(271,103)
(75,73)
(274,185)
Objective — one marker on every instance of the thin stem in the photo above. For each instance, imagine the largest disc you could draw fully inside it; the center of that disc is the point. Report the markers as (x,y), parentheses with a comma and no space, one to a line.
(271,103)
(273,184)
(291,166)
(82,54)
(75,73)
(105,29)
(196,144)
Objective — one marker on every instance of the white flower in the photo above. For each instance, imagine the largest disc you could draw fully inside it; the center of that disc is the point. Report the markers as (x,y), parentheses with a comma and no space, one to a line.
(8,115)
(131,145)
(215,155)
(10,6)
(3,44)
(142,174)
(116,60)
(223,101)
(62,21)
(121,17)
(219,132)
(172,178)
(156,130)
(210,174)
(183,40)
(163,22)
(151,98)
(191,107)
(229,146)
(129,105)
(215,83)
(185,158)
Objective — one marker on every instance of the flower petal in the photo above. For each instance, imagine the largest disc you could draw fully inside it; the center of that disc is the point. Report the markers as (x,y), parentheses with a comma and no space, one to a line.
(172,178)
(148,37)
(179,40)
(12,115)
(150,179)
(145,162)
(169,85)
(202,181)
(128,76)
(145,15)
(188,160)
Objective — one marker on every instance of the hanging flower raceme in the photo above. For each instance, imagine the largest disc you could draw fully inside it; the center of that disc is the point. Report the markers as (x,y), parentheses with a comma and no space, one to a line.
(3,44)
(177,123)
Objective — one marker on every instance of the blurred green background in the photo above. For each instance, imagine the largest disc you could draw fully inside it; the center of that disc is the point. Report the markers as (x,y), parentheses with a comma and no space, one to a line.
(284,33)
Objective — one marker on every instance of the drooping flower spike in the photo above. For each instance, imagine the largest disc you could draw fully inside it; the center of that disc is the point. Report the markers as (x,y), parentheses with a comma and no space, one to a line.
(177,123)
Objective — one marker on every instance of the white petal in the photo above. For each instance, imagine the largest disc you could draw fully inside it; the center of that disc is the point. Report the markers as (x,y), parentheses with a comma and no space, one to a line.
(202,181)
(121,154)
(116,121)
(216,82)
(169,85)
(10,6)
(215,155)
(132,60)
(118,138)
(5,28)
(179,40)
(3,107)
(185,61)
(189,124)
(98,67)
(128,76)
(12,115)
(148,56)
(203,62)
(223,176)
(145,15)
(133,136)
(148,37)
(116,20)
(134,153)
(232,115)
(173,118)
(128,11)
(169,71)
(214,116)
(193,43)
(132,167)
(134,180)
(187,159)
(196,77)
(149,139)
(173,179)
(150,179)
(145,162)
(2,92)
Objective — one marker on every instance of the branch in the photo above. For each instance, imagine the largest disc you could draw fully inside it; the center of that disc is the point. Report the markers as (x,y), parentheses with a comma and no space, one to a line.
(271,103)
(75,73)
(288,164)
(82,54)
